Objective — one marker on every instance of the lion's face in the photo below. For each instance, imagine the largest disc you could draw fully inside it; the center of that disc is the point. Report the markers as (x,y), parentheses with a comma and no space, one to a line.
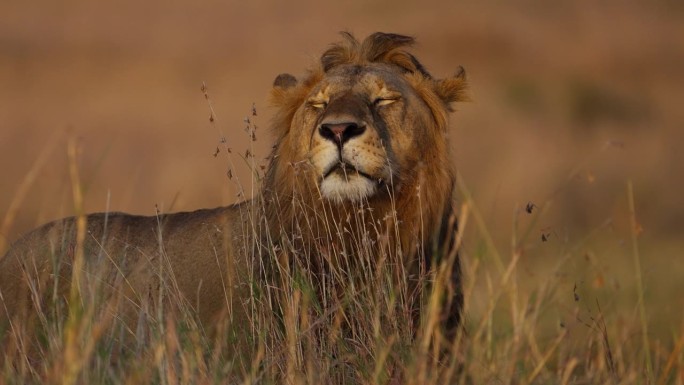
(368,123)
(357,129)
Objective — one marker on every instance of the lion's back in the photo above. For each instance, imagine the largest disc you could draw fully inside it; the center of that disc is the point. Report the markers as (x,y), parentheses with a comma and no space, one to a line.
(128,254)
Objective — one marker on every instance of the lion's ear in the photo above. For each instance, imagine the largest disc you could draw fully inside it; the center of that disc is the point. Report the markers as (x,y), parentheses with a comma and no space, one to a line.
(284,81)
(282,85)
(453,89)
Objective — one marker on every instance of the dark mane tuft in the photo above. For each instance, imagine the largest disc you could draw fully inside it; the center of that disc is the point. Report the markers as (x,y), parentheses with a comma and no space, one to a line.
(377,48)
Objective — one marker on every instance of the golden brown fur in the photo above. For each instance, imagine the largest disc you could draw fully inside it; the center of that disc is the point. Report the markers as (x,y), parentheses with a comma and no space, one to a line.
(363,132)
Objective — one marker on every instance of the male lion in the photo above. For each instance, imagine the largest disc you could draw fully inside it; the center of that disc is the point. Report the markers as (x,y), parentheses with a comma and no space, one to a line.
(359,173)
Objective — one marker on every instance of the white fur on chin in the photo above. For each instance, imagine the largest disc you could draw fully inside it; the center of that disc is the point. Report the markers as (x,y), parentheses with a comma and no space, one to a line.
(352,188)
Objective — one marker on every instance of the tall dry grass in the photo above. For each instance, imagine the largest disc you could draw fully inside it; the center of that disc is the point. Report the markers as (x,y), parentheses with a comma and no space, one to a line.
(353,324)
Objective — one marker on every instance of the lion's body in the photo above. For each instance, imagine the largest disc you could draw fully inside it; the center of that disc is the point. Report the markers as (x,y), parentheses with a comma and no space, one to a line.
(360,170)
(197,253)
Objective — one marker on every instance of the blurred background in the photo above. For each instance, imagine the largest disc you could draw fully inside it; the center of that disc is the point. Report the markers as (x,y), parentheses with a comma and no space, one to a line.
(571,100)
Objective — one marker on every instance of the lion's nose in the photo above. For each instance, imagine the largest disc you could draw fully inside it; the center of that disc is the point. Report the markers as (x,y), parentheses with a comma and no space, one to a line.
(340,132)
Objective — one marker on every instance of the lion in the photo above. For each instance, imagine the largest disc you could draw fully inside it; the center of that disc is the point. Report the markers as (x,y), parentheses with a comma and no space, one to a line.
(360,167)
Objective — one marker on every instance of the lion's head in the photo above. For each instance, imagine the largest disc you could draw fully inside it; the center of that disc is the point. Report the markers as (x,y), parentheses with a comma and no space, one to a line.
(368,123)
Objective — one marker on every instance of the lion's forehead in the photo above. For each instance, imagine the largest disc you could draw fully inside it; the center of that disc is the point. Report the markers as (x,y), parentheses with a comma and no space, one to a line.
(372,81)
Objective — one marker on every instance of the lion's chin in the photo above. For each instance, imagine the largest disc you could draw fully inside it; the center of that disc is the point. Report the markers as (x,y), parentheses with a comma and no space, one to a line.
(341,188)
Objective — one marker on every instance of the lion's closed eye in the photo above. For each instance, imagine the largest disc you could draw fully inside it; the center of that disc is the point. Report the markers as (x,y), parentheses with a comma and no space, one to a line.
(318,104)
(385,101)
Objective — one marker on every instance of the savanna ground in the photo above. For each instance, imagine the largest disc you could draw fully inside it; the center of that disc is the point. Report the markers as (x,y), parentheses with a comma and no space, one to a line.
(576,110)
